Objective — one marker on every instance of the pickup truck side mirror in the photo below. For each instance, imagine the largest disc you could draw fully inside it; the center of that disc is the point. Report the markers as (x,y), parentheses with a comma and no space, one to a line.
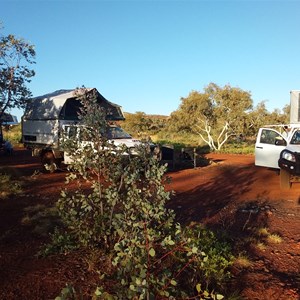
(280,142)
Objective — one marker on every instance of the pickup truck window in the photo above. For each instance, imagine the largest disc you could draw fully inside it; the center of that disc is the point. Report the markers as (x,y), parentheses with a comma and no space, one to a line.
(296,138)
(269,136)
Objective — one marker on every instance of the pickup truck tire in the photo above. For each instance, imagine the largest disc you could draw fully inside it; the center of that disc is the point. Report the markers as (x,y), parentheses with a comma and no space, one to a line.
(285,179)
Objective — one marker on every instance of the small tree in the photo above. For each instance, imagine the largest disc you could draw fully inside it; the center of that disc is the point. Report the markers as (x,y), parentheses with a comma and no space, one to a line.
(16,56)
(137,124)
(215,115)
(123,213)
(260,117)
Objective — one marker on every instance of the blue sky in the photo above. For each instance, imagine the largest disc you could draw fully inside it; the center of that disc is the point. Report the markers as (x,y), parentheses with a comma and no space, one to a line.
(146,55)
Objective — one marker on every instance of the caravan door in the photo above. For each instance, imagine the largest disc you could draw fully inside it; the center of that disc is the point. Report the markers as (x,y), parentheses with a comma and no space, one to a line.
(69,132)
(269,144)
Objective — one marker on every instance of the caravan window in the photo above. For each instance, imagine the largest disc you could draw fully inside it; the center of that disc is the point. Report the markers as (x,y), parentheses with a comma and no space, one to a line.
(70,110)
(70,132)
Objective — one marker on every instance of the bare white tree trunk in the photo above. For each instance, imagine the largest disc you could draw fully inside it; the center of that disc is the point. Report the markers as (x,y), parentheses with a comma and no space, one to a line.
(205,133)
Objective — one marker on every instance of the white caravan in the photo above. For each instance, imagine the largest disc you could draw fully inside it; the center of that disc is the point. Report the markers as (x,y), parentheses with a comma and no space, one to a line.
(49,117)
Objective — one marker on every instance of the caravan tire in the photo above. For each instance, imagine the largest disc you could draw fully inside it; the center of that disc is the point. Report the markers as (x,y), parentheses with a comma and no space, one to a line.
(49,162)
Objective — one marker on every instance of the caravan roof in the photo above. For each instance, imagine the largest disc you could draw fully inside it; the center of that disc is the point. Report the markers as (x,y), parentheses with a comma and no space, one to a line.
(65,104)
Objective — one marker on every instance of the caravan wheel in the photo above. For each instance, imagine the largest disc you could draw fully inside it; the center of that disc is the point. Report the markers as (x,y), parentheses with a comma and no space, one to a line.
(49,162)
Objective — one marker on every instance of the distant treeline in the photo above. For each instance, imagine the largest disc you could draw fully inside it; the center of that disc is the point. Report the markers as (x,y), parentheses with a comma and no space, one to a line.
(216,116)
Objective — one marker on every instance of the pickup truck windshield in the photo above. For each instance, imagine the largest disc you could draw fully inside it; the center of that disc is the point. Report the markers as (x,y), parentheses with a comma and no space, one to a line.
(117,133)
(296,138)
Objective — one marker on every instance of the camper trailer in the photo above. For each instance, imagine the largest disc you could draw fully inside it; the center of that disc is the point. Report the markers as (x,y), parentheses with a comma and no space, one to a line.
(49,117)
(278,146)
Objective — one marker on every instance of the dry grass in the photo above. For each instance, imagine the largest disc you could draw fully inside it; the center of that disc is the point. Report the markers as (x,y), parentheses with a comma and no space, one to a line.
(41,219)
(261,246)
(263,231)
(274,238)
(242,261)
(8,186)
(271,238)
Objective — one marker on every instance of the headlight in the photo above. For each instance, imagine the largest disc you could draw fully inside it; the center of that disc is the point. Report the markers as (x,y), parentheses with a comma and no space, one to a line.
(288,156)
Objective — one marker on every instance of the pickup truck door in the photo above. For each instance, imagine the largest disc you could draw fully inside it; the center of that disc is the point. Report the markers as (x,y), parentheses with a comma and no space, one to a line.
(269,144)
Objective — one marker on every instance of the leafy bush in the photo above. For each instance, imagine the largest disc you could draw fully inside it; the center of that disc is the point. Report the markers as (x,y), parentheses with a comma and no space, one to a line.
(182,138)
(238,148)
(124,214)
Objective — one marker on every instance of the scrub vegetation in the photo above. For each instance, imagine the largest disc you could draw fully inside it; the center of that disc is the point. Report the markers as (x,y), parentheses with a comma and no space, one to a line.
(8,186)
(123,221)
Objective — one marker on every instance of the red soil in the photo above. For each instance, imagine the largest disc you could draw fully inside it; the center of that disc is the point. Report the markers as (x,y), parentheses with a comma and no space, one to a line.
(230,194)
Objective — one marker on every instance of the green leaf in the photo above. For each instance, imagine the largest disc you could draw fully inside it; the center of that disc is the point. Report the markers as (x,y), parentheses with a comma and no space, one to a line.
(67,290)
(143,273)
(173,282)
(98,292)
(198,287)
(205,293)
(152,252)
(219,297)
(194,250)
(117,247)
(171,243)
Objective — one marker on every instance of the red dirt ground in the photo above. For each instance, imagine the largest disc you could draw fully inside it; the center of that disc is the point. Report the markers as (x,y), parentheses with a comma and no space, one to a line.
(230,194)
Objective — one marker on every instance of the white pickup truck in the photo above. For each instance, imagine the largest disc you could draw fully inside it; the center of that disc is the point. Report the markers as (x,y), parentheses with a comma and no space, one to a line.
(280,149)
(278,146)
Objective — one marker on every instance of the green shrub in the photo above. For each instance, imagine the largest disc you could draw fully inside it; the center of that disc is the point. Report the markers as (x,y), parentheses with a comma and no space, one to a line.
(238,148)
(183,138)
(124,214)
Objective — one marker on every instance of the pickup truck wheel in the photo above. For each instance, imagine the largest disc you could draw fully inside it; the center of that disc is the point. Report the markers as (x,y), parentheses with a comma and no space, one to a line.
(49,162)
(285,179)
